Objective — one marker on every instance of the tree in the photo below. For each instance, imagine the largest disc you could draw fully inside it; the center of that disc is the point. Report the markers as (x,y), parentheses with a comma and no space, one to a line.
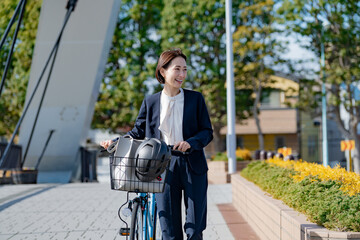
(131,64)
(257,47)
(13,96)
(342,53)
(198,28)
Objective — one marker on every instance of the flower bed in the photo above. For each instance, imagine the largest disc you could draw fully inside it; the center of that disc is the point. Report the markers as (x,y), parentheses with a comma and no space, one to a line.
(241,155)
(349,181)
(327,197)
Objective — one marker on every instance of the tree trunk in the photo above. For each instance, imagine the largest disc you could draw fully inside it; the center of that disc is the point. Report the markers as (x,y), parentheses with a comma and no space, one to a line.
(217,141)
(260,134)
(355,157)
(257,91)
(351,135)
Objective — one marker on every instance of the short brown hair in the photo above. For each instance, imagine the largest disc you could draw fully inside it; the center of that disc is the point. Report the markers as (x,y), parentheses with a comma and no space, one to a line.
(164,61)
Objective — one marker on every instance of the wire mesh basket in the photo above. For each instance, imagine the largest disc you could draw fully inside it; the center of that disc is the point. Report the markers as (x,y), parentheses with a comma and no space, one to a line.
(124,175)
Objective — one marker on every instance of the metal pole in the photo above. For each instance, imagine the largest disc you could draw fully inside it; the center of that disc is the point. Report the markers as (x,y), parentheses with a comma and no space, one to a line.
(8,60)
(230,92)
(43,151)
(12,20)
(323,101)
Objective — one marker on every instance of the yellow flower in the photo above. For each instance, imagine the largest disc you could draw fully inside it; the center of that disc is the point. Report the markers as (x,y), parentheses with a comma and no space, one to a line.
(349,181)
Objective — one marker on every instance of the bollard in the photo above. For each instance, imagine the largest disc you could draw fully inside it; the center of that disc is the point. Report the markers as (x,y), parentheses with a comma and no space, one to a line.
(263,155)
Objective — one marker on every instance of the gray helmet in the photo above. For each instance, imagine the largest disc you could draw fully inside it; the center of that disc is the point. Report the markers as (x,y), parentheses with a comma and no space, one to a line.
(152,158)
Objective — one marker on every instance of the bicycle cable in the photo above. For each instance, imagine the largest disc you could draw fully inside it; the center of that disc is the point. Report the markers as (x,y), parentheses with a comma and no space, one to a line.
(119,211)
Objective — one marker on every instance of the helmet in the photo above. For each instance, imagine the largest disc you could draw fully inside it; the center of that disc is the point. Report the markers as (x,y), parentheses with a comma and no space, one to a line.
(152,157)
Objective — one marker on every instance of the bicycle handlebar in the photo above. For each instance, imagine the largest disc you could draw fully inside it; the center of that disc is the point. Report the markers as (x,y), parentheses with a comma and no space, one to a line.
(112,146)
(178,151)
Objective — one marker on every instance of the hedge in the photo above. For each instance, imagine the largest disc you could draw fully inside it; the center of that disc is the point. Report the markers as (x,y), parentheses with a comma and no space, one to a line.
(322,201)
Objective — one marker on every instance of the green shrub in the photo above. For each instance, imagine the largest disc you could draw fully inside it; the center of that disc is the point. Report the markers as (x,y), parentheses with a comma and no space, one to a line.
(220,156)
(321,201)
(241,155)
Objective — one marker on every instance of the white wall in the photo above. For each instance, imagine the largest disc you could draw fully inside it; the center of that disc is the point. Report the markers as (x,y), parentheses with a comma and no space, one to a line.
(73,89)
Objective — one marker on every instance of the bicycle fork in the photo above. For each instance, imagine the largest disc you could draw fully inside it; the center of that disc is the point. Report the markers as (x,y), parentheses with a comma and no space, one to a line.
(125,231)
(148,217)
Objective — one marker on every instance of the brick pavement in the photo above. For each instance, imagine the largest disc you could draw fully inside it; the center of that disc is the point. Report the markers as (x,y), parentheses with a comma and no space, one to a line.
(81,211)
(87,211)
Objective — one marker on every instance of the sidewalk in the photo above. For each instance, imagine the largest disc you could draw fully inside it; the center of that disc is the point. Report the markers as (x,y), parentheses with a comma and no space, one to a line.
(89,211)
(81,211)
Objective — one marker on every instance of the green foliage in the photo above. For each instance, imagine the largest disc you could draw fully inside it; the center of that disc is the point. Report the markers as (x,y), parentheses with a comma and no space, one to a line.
(131,65)
(256,42)
(222,156)
(257,48)
(198,28)
(13,96)
(322,202)
(341,40)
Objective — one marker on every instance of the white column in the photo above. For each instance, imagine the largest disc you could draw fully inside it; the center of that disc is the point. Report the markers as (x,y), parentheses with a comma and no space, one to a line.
(74,85)
(230,92)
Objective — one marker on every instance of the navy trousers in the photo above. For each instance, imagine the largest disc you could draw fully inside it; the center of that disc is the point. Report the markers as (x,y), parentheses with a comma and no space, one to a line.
(181,179)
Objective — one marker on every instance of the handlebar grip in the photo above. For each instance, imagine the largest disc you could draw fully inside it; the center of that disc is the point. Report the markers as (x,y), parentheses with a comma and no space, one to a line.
(178,151)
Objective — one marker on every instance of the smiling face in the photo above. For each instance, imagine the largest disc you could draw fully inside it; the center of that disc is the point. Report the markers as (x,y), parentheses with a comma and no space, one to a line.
(174,74)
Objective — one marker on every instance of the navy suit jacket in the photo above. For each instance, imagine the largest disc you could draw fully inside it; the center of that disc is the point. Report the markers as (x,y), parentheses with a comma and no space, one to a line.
(197,129)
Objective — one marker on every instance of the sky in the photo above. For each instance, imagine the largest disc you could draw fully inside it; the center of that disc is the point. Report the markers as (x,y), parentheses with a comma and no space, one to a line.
(297,52)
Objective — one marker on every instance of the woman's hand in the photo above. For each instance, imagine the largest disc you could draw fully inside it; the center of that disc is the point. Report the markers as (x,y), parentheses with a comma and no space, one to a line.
(182,146)
(105,144)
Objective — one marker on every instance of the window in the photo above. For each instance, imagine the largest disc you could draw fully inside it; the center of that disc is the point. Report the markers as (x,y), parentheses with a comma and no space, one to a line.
(312,145)
(271,99)
(279,142)
(239,142)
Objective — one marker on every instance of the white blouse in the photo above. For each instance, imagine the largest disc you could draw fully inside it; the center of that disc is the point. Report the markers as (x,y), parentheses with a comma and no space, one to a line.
(171,117)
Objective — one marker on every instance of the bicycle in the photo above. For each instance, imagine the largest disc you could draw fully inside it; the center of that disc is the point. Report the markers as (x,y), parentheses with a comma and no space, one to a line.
(143,217)
(126,173)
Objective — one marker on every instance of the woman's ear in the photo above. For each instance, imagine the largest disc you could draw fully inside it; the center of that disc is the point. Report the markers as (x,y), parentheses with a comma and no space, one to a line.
(162,72)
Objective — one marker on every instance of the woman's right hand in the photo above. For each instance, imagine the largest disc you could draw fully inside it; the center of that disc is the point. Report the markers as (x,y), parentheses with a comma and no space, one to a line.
(105,144)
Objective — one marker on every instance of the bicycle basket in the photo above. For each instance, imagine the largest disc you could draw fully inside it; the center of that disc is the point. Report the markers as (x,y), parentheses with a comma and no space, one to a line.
(123,176)
(128,165)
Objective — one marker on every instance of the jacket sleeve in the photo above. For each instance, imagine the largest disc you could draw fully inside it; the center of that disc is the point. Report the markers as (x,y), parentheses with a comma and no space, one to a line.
(138,132)
(205,134)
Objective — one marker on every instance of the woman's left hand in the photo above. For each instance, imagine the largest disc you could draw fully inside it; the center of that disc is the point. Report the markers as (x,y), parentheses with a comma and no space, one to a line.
(182,146)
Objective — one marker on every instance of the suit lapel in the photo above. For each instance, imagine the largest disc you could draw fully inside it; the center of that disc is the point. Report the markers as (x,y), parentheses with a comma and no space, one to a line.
(185,113)
(156,116)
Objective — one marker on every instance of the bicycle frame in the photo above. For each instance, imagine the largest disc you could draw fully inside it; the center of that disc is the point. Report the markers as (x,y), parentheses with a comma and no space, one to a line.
(143,207)
(148,204)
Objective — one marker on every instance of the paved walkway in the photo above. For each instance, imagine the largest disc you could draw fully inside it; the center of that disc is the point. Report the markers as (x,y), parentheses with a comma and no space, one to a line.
(81,211)
(88,211)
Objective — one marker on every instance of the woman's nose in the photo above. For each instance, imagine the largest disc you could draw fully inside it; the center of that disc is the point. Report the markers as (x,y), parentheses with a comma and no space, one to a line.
(182,73)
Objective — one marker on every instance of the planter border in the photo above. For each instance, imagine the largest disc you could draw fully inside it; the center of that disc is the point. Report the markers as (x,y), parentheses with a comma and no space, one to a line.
(218,170)
(271,219)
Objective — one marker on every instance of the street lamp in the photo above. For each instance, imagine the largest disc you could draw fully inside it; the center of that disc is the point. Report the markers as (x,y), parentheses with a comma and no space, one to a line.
(230,92)
(323,98)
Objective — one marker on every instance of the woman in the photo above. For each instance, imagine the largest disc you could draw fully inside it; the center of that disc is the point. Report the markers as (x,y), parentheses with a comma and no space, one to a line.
(180,118)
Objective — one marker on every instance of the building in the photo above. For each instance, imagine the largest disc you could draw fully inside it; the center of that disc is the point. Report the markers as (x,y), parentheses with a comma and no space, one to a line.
(278,120)
(285,126)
